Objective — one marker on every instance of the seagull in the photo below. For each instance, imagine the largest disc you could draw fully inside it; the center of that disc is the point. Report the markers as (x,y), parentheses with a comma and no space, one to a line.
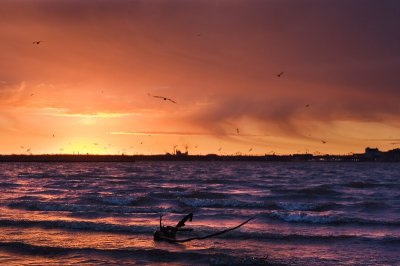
(280,74)
(36,42)
(323,141)
(162,97)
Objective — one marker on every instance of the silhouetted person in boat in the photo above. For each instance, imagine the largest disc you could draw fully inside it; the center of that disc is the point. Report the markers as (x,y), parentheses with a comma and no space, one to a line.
(169,232)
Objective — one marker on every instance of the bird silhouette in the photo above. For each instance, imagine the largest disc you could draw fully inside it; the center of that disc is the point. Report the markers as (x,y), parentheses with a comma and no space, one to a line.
(250,149)
(36,42)
(237,130)
(323,141)
(280,74)
(162,97)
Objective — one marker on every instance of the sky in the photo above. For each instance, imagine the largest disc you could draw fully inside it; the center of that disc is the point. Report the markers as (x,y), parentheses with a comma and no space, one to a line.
(88,86)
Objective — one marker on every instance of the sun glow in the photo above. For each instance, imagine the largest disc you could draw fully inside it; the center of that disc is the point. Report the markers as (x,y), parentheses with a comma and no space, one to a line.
(86,146)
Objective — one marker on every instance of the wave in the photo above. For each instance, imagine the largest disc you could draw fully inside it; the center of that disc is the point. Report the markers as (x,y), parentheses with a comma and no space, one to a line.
(361,184)
(321,190)
(79,225)
(187,257)
(8,185)
(371,205)
(115,200)
(152,254)
(306,206)
(326,218)
(303,217)
(271,236)
(66,207)
(233,203)
(29,198)
(199,230)
(224,203)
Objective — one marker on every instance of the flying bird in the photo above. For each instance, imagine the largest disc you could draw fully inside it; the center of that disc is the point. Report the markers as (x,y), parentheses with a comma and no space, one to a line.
(36,42)
(250,149)
(323,141)
(280,74)
(162,97)
(237,130)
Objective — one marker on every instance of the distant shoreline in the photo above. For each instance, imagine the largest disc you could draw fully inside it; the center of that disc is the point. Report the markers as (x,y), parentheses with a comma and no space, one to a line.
(391,156)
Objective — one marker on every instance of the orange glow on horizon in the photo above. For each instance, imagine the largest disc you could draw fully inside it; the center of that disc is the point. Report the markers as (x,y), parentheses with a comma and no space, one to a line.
(91,78)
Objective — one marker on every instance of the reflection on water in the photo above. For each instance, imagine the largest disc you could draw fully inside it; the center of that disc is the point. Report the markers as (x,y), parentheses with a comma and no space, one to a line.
(306,213)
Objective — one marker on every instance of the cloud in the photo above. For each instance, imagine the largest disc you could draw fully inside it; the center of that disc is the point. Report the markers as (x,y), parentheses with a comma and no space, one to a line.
(13,94)
(180,133)
(218,61)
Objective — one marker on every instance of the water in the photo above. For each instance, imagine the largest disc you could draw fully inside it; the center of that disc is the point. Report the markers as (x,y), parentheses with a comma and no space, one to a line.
(105,213)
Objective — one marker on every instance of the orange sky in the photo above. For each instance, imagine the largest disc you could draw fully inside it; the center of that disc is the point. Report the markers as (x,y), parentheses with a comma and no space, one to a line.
(87,82)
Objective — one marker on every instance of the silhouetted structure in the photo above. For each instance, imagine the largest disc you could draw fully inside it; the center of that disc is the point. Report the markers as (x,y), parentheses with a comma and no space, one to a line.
(370,155)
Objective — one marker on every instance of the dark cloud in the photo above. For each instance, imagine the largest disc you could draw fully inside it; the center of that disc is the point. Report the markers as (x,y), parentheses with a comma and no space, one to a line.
(341,57)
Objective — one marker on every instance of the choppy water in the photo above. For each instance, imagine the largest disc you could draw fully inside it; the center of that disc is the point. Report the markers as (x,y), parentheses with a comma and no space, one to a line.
(105,213)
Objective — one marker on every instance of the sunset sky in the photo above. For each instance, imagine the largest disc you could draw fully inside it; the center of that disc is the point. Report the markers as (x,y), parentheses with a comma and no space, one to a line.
(85,87)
